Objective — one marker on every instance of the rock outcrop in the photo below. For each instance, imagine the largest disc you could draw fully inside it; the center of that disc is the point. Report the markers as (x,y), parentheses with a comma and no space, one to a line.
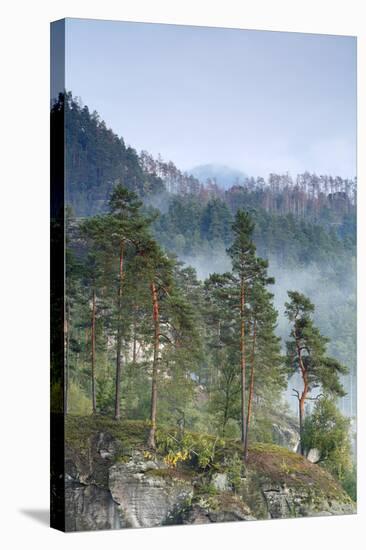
(285,432)
(145,494)
(113,482)
(89,508)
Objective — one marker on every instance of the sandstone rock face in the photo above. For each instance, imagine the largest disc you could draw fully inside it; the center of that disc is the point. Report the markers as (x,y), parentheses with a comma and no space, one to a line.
(286,435)
(285,502)
(133,494)
(109,490)
(89,508)
(277,503)
(234,510)
(220,482)
(145,498)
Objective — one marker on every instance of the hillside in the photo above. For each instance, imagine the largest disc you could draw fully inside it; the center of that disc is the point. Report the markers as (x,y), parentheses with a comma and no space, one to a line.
(96,159)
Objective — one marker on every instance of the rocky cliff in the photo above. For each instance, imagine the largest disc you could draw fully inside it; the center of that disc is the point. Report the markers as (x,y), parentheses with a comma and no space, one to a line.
(113,481)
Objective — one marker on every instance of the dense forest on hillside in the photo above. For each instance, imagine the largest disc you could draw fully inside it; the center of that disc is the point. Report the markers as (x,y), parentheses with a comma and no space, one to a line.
(209,311)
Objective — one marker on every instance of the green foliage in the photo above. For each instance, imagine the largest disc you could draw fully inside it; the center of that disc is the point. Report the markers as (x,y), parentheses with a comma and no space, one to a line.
(293,241)
(201,449)
(105,393)
(205,449)
(349,482)
(235,470)
(328,431)
(97,159)
(196,334)
(261,430)
(306,351)
(277,464)
(79,403)
(79,431)
(243,249)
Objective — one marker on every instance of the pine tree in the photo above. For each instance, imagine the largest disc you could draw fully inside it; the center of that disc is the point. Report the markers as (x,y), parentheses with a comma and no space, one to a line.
(173,334)
(117,235)
(182,353)
(248,269)
(265,356)
(224,380)
(92,272)
(156,269)
(123,226)
(306,354)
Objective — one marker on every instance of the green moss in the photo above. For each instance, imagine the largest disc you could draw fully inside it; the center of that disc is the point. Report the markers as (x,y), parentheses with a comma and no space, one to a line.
(282,466)
(266,462)
(205,489)
(129,435)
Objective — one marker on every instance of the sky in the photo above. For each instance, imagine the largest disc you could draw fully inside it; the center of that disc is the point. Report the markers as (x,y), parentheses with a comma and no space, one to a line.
(257,101)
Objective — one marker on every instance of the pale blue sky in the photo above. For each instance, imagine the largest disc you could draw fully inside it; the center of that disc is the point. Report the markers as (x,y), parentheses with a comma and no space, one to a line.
(255,100)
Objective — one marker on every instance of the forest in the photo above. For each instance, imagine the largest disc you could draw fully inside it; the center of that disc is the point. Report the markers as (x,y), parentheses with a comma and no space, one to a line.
(200,310)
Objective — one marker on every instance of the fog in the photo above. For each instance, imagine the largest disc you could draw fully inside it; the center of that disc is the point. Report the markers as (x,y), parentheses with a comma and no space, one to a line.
(318,283)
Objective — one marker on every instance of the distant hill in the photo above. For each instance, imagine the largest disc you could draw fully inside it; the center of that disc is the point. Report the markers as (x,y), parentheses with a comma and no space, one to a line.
(96,159)
(225,176)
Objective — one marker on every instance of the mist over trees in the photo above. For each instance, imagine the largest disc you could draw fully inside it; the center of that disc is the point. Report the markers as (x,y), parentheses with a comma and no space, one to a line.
(176,291)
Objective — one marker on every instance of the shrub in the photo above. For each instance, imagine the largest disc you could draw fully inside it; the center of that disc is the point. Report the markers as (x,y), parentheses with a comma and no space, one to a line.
(327,430)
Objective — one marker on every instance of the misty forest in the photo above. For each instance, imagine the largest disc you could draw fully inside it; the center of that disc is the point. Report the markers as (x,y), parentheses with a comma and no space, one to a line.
(210,337)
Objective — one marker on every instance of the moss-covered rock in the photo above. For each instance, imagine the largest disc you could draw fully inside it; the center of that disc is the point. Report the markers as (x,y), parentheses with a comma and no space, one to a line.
(113,480)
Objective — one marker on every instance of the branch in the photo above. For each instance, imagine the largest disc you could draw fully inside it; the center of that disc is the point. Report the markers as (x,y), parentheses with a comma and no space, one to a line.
(315,398)
(297,394)
(166,338)
(160,285)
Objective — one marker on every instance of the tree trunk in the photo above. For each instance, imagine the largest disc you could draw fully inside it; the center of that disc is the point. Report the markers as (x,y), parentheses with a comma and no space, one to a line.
(155,304)
(134,348)
(94,402)
(117,405)
(251,391)
(303,397)
(302,415)
(243,360)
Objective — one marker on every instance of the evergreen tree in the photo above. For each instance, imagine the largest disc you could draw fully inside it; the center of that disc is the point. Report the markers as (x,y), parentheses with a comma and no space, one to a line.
(306,354)
(117,234)
(265,355)
(123,226)
(91,231)
(248,270)
(156,269)
(224,380)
